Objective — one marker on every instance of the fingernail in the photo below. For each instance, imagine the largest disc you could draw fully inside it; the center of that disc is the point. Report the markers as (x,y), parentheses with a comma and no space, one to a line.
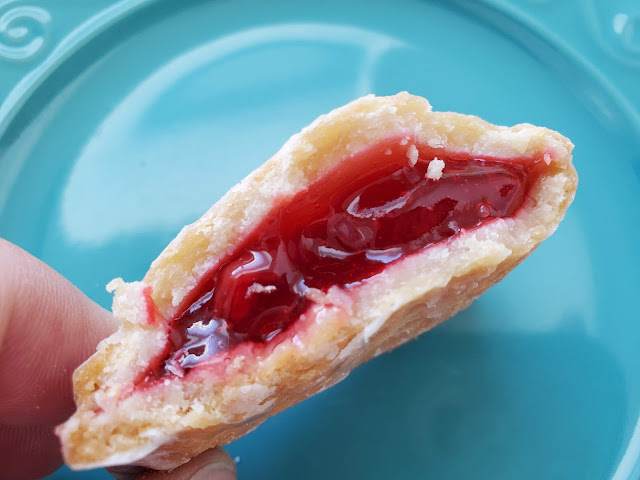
(215,471)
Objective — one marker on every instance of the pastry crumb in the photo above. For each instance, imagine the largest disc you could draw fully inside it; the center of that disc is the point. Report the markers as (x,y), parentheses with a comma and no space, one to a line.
(412,155)
(434,170)
(404,141)
(317,296)
(175,368)
(114,284)
(259,288)
(547,158)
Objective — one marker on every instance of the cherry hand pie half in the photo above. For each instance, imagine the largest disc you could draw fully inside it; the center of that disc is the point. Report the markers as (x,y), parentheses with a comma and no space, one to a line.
(375,223)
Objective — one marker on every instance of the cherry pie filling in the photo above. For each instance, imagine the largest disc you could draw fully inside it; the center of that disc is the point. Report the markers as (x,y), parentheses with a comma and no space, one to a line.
(375,208)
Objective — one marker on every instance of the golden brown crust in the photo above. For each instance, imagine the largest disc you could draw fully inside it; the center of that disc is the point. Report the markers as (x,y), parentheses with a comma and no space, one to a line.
(165,425)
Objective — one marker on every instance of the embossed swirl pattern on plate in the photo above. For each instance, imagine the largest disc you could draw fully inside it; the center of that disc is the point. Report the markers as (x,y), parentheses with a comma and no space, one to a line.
(616,25)
(24,30)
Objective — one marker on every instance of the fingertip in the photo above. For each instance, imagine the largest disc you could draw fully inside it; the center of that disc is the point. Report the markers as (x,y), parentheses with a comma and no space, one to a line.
(215,464)
(47,328)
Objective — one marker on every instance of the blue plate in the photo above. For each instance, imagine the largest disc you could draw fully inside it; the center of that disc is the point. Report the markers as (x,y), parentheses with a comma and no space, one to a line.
(122,121)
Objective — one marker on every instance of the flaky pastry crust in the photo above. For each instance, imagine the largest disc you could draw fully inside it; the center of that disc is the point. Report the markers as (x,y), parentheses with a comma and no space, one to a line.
(163,425)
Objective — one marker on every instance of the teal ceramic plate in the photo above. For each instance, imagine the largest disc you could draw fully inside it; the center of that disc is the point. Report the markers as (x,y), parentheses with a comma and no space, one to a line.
(122,121)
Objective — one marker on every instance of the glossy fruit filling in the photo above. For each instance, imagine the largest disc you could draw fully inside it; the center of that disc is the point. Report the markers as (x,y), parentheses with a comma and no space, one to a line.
(378,206)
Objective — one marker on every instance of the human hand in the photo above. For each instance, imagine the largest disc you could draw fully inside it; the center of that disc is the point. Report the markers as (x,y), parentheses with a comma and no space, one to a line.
(47,328)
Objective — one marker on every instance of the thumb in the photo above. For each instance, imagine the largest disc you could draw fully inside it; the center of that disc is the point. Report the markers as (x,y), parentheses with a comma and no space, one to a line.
(215,464)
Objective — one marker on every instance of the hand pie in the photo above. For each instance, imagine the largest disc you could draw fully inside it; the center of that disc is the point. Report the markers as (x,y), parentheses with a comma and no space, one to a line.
(370,226)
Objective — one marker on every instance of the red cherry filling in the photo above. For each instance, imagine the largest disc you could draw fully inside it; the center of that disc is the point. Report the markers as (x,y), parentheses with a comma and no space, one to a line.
(374,209)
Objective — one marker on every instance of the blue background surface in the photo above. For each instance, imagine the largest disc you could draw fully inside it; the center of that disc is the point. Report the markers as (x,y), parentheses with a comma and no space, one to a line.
(122,121)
